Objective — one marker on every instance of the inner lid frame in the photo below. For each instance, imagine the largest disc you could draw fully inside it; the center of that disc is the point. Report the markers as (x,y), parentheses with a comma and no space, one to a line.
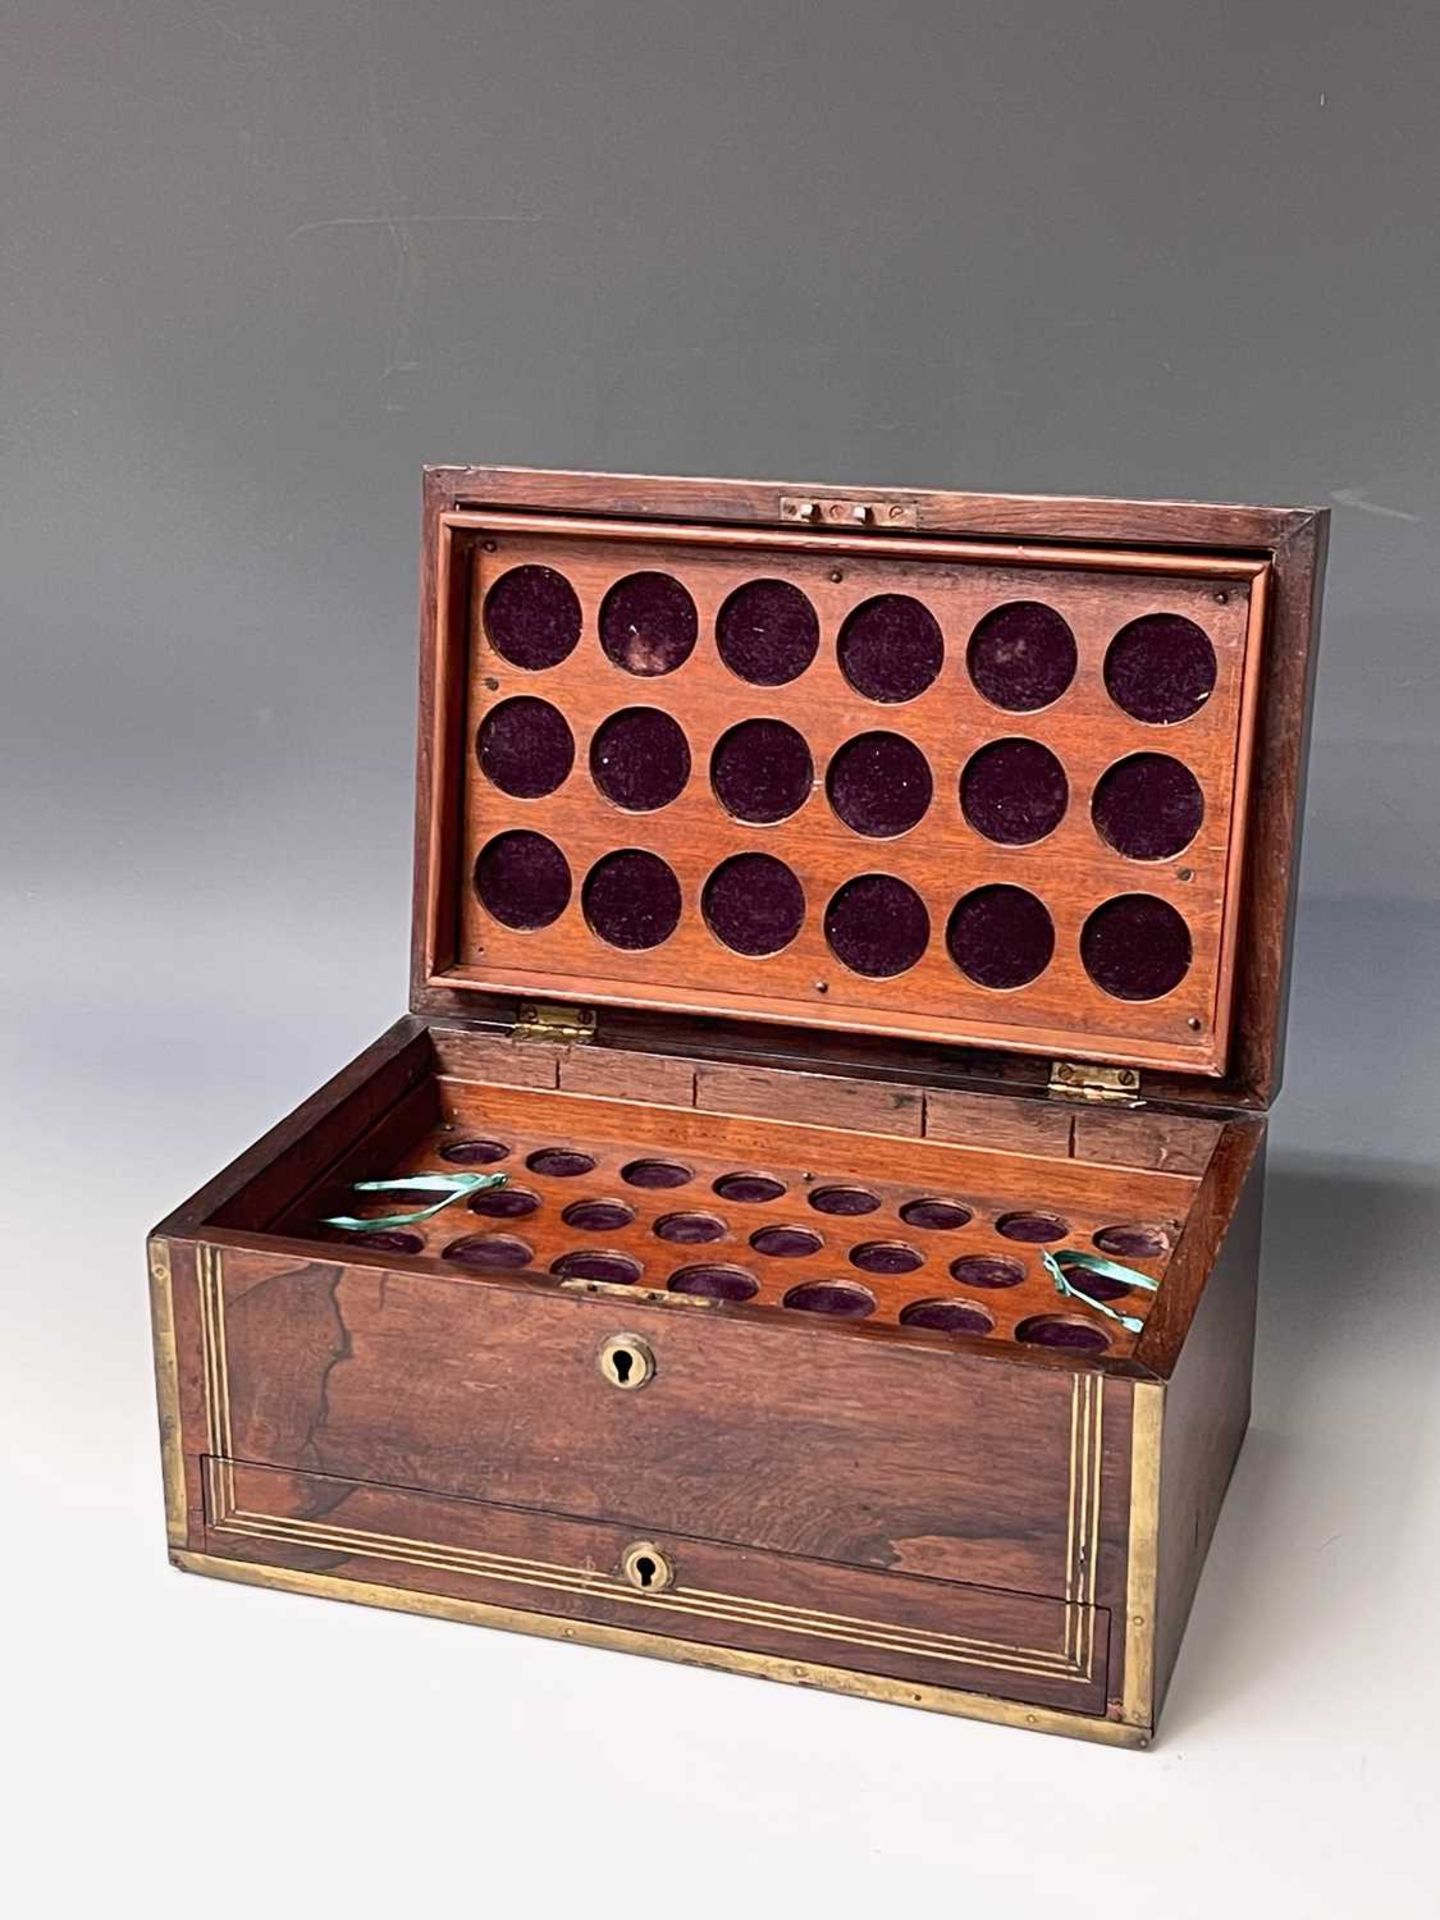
(1098,589)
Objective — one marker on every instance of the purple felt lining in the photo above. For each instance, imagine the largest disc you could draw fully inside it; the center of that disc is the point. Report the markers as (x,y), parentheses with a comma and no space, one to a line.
(581,1263)
(762,771)
(767,632)
(388,1240)
(525,747)
(1001,937)
(848,1201)
(938,1216)
(786,1243)
(841,1299)
(877,925)
(532,617)
(1053,1330)
(880,784)
(1128,1241)
(1031,1225)
(690,1229)
(475,1153)
(632,899)
(1160,668)
(523,879)
(891,648)
(1014,792)
(886,1256)
(753,1189)
(597,1216)
(491,1250)
(505,1203)
(560,1163)
(648,623)
(1022,656)
(986,1270)
(1099,1286)
(640,759)
(1136,947)
(946,1316)
(656,1175)
(1148,807)
(715,1283)
(753,904)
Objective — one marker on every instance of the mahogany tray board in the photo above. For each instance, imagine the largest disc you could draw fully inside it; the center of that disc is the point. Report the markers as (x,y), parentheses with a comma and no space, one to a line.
(773,753)
(755,1360)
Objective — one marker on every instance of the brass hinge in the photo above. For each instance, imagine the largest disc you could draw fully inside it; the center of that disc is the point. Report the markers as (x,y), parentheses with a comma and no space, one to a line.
(1083,1080)
(566,1026)
(652,1296)
(845,512)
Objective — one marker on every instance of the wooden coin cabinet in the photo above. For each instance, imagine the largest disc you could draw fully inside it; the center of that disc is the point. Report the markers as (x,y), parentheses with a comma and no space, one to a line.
(829,904)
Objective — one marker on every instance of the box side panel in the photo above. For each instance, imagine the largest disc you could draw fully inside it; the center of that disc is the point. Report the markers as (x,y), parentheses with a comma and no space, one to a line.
(251,1189)
(1206,1413)
(1277,807)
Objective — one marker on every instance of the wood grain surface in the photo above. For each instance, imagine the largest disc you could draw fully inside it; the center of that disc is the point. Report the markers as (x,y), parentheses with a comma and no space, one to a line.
(951,1466)
(1290,540)
(943,858)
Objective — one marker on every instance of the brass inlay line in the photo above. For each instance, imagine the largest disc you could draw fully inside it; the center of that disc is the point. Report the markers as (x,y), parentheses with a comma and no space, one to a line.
(775,1616)
(207,1343)
(1092,1456)
(1070,1514)
(690,1653)
(461,1559)
(223,1367)
(1082,1543)
(210,1274)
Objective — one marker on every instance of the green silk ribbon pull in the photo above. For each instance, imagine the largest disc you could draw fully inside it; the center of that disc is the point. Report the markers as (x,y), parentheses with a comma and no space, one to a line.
(1056,1264)
(450,1186)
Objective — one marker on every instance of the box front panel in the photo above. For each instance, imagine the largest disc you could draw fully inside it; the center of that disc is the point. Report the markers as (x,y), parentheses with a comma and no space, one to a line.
(834,1447)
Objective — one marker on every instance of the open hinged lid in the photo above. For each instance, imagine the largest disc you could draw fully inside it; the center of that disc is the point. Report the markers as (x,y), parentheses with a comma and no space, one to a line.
(951,769)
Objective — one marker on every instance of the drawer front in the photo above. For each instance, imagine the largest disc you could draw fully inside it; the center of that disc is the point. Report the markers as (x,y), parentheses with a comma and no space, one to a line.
(676,1588)
(764,1432)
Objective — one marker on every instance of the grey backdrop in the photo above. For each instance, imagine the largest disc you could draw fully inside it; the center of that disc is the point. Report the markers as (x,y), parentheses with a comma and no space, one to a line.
(257,264)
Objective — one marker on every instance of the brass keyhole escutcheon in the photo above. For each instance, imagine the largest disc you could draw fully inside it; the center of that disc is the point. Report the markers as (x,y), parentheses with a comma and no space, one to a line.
(627,1362)
(646,1568)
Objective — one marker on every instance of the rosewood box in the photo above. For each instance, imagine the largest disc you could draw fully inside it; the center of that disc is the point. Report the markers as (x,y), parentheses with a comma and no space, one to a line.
(855,925)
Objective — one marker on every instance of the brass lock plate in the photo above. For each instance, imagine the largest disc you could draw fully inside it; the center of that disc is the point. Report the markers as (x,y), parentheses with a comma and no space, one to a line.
(646,1568)
(627,1362)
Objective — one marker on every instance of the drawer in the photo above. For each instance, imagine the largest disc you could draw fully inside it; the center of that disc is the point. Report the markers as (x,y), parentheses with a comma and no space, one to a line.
(770,1432)
(569,1576)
